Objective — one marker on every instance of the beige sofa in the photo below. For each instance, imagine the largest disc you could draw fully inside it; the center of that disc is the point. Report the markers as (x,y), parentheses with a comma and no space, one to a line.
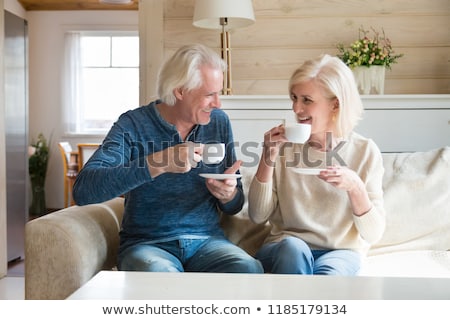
(67,248)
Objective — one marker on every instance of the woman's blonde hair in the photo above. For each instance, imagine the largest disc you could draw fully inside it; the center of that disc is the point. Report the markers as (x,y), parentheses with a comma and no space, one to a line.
(182,70)
(336,81)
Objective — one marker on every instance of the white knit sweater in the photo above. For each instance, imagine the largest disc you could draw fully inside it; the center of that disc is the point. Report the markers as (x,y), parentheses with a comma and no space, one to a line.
(304,206)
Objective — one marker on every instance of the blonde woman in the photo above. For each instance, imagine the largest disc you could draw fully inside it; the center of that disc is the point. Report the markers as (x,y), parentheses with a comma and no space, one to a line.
(323,223)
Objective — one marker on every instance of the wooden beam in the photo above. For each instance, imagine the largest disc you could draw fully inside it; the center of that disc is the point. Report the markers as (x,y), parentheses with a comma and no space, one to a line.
(36,5)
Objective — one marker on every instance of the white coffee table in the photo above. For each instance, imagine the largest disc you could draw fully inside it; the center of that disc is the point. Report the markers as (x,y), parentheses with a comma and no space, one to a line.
(214,286)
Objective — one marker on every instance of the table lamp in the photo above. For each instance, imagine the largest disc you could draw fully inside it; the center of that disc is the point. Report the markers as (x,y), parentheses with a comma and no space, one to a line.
(225,15)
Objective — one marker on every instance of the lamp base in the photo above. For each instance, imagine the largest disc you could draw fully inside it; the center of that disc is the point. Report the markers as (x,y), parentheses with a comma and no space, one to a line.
(226,56)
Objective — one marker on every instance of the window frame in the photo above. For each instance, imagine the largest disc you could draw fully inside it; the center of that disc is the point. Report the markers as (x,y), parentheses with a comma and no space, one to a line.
(71,109)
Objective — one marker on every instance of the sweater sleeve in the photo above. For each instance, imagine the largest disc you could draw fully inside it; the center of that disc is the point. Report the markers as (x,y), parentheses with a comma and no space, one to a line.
(371,225)
(235,205)
(262,201)
(111,172)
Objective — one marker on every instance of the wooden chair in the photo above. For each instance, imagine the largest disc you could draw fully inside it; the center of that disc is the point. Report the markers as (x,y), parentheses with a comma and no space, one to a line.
(70,170)
(85,151)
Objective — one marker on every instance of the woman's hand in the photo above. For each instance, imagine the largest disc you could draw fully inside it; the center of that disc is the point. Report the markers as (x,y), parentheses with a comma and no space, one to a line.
(340,177)
(347,179)
(273,139)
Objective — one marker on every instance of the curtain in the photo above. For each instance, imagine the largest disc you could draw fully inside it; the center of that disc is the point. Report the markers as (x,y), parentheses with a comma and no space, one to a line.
(71,80)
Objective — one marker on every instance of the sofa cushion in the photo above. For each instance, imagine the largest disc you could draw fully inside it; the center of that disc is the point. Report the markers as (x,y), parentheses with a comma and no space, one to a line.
(417,202)
(413,263)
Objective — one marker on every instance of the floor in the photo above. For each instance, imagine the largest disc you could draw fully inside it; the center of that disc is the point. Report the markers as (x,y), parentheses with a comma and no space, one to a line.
(12,287)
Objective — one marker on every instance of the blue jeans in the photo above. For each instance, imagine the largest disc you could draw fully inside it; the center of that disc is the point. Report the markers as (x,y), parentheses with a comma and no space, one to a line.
(293,256)
(213,254)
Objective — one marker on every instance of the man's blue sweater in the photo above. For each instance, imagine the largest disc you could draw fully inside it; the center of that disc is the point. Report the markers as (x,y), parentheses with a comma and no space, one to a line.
(170,206)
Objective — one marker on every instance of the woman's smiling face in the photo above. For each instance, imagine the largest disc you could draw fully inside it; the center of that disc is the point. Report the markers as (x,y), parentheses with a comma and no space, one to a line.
(312,107)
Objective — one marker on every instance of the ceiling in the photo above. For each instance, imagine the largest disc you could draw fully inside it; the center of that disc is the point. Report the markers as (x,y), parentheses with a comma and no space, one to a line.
(31,5)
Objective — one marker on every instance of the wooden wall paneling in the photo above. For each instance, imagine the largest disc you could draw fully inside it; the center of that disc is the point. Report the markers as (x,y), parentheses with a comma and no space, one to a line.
(277,64)
(347,8)
(304,33)
(416,86)
(34,5)
(179,9)
(423,62)
(270,63)
(327,31)
(392,86)
(151,52)
(287,32)
(260,87)
(303,8)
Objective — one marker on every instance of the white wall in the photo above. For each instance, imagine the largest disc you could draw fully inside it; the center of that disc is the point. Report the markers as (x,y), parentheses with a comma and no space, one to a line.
(46,43)
(15,7)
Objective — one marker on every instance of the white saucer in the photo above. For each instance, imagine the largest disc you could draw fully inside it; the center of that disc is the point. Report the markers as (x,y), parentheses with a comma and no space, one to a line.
(309,171)
(220,176)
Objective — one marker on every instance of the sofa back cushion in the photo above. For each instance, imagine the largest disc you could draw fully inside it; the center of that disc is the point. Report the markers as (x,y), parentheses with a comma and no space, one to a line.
(417,201)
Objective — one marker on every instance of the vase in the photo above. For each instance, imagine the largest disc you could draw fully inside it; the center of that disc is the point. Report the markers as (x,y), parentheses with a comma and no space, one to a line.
(370,80)
(38,206)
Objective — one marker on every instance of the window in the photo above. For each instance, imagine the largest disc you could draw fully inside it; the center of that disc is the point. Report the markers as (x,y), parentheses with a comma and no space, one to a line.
(102,79)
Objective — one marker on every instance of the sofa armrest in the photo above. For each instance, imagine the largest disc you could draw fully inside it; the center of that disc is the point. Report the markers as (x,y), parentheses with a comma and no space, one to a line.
(65,249)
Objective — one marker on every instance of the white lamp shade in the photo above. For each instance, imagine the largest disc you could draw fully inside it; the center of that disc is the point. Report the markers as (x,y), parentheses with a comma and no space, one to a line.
(207,13)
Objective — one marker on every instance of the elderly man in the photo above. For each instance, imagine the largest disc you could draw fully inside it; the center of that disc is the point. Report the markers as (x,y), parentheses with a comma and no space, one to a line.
(153,156)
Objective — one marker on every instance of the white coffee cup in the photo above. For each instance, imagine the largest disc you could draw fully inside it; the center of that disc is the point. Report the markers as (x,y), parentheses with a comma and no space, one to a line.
(213,153)
(297,132)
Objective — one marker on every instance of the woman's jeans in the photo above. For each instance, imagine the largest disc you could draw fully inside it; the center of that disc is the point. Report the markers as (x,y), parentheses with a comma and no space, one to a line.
(293,256)
(213,254)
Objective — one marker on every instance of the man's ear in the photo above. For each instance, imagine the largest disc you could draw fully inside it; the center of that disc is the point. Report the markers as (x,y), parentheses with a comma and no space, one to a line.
(178,92)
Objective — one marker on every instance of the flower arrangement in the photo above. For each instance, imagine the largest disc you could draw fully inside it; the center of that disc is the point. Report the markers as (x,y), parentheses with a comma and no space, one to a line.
(369,51)
(37,168)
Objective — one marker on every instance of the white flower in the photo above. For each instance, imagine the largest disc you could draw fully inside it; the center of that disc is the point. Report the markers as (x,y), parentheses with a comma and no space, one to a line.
(31,151)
